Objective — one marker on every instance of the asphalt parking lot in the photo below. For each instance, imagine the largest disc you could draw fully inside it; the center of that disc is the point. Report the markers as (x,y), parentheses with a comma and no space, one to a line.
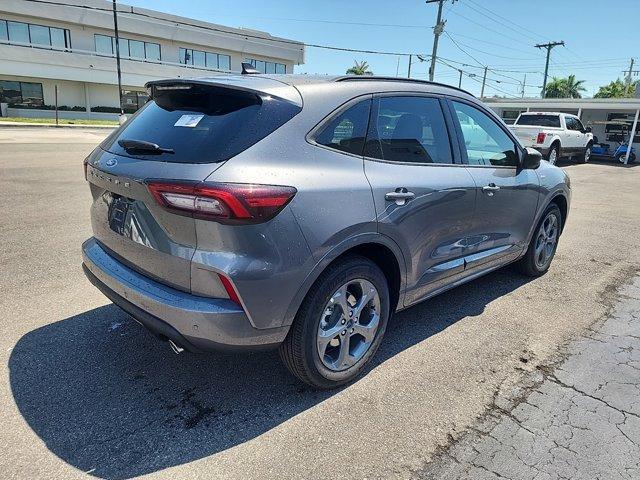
(85,389)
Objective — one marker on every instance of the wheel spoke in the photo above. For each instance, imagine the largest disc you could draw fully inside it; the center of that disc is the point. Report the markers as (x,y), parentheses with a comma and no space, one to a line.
(325,336)
(340,298)
(368,293)
(344,359)
(369,330)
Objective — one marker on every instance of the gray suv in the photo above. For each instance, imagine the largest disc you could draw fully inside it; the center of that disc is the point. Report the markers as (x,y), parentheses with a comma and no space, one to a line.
(299,212)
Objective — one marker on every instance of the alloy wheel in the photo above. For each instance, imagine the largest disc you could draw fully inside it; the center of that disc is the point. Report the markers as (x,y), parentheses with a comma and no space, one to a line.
(587,154)
(553,156)
(348,324)
(546,241)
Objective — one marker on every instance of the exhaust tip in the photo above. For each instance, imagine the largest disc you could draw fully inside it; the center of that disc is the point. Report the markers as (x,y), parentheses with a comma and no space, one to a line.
(176,349)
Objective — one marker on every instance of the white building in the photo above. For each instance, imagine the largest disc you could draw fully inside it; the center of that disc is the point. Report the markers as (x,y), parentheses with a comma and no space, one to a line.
(593,112)
(70,44)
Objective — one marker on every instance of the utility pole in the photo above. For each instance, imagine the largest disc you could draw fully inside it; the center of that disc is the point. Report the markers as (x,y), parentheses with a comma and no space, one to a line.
(115,28)
(524,83)
(630,72)
(548,46)
(409,72)
(484,81)
(460,79)
(437,31)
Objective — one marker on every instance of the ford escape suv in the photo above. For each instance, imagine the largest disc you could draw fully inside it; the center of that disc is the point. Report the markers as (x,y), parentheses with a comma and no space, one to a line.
(299,212)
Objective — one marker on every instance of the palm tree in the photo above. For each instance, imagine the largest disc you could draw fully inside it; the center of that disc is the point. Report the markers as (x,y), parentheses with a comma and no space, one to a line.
(359,68)
(564,88)
(574,87)
(616,89)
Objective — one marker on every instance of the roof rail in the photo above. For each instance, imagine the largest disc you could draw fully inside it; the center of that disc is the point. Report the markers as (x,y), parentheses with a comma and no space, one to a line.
(351,78)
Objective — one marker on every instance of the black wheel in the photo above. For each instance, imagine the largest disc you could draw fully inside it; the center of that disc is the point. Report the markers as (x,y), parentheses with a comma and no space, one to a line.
(554,154)
(621,157)
(586,155)
(340,324)
(544,242)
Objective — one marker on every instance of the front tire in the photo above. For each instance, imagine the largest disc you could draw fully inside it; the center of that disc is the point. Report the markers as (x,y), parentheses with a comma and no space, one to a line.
(543,244)
(586,155)
(554,154)
(340,324)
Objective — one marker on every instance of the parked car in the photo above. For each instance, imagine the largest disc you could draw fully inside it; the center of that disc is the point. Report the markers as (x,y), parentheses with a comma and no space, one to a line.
(301,212)
(554,135)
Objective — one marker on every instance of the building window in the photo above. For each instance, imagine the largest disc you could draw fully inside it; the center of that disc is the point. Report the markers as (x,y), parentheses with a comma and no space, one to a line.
(37,35)
(135,49)
(267,67)
(132,100)
(199,58)
(21,94)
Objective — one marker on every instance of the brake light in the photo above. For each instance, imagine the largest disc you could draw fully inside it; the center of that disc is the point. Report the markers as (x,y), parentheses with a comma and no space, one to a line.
(233,202)
(541,137)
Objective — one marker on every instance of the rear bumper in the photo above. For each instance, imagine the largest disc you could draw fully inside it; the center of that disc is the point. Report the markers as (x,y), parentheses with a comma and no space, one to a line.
(192,322)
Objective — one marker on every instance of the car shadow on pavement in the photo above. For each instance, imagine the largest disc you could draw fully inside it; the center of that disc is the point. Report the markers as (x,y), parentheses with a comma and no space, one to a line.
(109,399)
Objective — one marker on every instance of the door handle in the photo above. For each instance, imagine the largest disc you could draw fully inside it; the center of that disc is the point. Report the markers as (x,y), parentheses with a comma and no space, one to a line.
(490,189)
(400,196)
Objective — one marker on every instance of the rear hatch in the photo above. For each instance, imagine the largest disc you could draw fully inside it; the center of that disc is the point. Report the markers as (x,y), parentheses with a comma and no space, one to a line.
(184,133)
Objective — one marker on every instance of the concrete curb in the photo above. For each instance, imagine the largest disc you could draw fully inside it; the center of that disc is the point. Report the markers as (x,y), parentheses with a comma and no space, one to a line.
(50,125)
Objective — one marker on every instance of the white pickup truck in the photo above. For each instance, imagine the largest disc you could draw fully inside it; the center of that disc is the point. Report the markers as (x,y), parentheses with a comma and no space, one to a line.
(554,134)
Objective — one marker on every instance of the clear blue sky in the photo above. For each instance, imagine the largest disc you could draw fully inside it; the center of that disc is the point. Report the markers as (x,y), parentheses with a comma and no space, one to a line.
(600,36)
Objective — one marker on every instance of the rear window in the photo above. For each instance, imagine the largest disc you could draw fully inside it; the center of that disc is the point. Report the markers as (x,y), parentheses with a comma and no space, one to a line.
(200,124)
(539,120)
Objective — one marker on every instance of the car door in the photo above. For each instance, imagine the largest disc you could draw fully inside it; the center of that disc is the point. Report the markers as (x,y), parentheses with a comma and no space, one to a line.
(507,196)
(424,197)
(573,135)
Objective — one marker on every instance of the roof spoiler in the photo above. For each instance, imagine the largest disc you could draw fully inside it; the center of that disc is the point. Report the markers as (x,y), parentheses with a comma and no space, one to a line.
(248,69)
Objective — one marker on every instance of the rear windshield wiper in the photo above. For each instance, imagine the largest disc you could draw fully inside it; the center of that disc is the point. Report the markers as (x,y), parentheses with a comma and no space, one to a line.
(142,146)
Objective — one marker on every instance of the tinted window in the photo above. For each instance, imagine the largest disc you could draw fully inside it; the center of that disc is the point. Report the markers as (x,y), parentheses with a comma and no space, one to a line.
(347,131)
(136,49)
(39,35)
(539,120)
(18,32)
(485,142)
(58,38)
(281,68)
(199,59)
(409,129)
(152,51)
(573,124)
(202,124)
(10,92)
(224,62)
(104,44)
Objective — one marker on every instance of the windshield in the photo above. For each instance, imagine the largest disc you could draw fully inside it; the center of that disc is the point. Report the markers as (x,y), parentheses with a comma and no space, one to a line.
(539,120)
(199,124)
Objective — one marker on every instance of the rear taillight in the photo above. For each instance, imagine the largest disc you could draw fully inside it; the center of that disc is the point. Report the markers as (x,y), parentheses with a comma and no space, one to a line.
(541,137)
(233,202)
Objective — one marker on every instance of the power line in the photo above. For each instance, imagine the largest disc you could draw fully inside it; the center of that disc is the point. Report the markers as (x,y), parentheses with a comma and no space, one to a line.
(508,20)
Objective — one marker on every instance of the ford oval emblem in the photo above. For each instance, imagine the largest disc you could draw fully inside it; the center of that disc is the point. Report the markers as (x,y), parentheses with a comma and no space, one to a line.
(112,162)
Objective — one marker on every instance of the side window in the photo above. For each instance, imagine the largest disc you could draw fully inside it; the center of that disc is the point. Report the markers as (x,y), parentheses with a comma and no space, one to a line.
(573,124)
(579,125)
(485,141)
(346,132)
(409,129)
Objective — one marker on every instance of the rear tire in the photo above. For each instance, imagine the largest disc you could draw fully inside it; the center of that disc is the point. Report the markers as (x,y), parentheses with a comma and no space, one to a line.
(543,244)
(620,158)
(554,154)
(586,155)
(323,324)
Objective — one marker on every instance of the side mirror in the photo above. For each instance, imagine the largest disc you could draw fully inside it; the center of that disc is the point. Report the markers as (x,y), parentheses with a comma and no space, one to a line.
(587,130)
(531,159)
